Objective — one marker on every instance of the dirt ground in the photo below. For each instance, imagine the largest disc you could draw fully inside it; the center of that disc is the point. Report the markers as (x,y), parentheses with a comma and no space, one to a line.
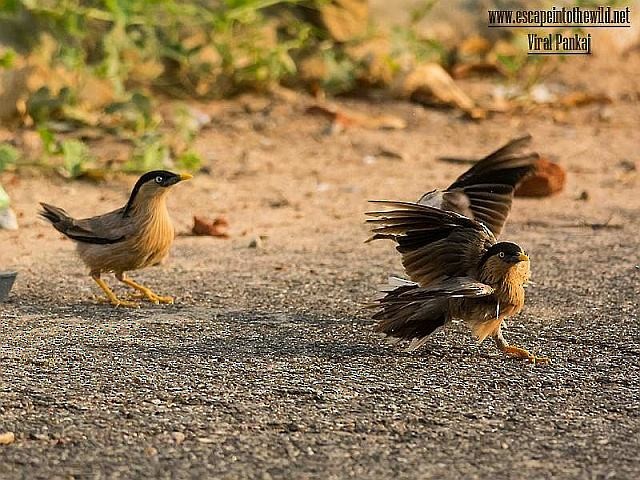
(267,366)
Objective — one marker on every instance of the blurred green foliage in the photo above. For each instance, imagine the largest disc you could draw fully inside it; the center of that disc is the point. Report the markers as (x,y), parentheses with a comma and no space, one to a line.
(9,155)
(101,68)
(138,49)
(202,48)
(75,155)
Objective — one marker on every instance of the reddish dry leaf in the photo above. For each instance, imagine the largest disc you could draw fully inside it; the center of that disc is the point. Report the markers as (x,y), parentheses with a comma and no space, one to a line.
(349,118)
(218,227)
(549,178)
(579,99)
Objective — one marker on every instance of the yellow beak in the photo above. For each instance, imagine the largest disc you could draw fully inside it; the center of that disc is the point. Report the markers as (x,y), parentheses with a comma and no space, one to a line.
(522,257)
(185,176)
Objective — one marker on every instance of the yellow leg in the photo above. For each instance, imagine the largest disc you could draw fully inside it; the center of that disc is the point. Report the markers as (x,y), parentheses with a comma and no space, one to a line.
(112,296)
(517,352)
(144,290)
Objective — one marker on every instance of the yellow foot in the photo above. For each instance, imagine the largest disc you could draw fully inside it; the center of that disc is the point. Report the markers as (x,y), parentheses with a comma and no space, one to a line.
(149,296)
(144,292)
(152,297)
(518,352)
(116,302)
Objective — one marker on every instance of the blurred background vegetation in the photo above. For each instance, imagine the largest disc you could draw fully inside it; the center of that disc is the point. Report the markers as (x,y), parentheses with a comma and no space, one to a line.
(73,71)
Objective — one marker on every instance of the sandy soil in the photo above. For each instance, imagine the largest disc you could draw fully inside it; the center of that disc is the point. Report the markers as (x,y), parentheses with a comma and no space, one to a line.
(267,366)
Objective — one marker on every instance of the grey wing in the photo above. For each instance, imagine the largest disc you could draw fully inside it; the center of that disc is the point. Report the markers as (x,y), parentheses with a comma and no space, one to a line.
(111,227)
(403,292)
(91,230)
(435,244)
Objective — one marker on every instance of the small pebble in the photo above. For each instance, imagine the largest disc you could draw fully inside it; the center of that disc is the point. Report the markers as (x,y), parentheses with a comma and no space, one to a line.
(7,438)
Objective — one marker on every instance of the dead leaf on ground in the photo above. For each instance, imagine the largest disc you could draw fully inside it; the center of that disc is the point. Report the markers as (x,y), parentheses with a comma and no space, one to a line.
(473,58)
(344,118)
(218,227)
(345,19)
(481,68)
(549,178)
(474,45)
(7,438)
(579,99)
(431,84)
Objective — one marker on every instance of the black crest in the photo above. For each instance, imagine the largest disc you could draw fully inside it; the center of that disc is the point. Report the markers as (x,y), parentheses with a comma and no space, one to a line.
(162,178)
(510,250)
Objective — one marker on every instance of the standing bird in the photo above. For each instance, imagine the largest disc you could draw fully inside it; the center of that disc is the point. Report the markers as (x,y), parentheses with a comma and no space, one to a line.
(129,238)
(449,247)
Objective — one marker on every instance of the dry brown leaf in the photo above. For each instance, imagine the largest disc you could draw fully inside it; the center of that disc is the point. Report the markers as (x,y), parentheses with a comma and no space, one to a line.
(431,84)
(549,178)
(579,99)
(474,45)
(348,118)
(464,70)
(218,227)
(345,19)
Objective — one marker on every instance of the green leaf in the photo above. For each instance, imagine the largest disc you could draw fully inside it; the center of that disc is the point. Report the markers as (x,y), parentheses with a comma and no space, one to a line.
(75,155)
(151,154)
(49,142)
(189,160)
(9,155)
(7,58)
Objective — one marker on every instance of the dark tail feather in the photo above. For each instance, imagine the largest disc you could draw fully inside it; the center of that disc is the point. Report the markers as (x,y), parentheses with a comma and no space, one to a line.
(407,314)
(60,220)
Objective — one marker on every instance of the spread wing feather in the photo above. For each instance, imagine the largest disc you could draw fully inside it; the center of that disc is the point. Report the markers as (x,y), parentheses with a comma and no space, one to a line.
(485,191)
(435,244)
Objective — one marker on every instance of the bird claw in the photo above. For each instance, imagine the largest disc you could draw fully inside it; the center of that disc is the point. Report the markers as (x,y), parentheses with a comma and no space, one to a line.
(149,295)
(124,303)
(116,302)
(518,352)
(152,297)
(167,300)
(135,296)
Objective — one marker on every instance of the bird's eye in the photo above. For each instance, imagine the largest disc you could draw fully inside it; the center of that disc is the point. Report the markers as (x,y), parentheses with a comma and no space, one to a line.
(501,254)
(158,179)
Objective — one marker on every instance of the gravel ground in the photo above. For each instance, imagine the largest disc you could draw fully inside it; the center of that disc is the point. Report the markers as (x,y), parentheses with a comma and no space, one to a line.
(267,366)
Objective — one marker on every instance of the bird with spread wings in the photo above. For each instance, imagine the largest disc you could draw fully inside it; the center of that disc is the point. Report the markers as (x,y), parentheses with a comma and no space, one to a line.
(449,247)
